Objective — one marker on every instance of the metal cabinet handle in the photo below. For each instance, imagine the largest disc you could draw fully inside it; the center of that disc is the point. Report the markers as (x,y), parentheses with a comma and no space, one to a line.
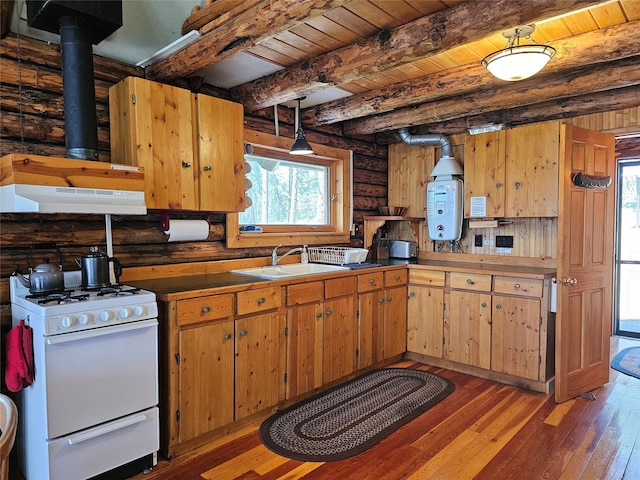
(469,281)
(319,315)
(398,277)
(381,300)
(484,305)
(517,185)
(498,307)
(206,309)
(186,164)
(372,282)
(243,333)
(207,168)
(261,300)
(329,312)
(498,185)
(227,336)
(516,286)
(412,294)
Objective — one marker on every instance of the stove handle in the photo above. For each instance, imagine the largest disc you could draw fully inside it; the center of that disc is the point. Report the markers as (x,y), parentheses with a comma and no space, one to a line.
(112,427)
(95,332)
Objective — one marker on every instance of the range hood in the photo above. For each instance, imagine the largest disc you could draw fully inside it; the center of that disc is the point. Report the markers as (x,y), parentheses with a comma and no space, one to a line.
(34,183)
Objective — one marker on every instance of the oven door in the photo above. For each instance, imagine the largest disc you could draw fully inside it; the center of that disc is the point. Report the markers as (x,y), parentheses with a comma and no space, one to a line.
(98,375)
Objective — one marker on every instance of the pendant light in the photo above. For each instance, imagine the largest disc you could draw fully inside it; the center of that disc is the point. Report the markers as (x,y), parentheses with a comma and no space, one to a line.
(515,61)
(300,146)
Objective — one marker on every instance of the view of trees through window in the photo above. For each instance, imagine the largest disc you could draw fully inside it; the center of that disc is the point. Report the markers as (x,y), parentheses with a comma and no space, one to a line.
(284,192)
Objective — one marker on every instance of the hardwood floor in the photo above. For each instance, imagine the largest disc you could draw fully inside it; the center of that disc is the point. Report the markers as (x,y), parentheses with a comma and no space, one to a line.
(483,430)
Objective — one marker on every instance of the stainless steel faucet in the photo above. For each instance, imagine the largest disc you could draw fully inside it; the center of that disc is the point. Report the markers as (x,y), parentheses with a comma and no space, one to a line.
(274,255)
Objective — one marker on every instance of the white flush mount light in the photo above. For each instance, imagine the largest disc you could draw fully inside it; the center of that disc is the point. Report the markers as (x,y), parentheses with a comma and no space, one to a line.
(515,61)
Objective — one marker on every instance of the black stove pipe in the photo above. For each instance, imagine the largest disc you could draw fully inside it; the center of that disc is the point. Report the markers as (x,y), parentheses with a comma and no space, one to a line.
(81,126)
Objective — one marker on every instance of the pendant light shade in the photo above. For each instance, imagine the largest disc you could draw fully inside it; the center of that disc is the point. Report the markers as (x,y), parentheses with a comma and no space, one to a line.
(300,146)
(515,61)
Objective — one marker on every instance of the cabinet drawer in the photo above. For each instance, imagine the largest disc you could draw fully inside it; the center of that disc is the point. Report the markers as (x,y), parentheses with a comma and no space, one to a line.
(395,278)
(370,281)
(426,277)
(529,287)
(259,300)
(470,281)
(302,293)
(205,308)
(339,287)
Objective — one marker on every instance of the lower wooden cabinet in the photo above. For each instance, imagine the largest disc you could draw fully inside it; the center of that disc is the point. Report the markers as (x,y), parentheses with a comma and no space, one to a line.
(425,312)
(340,338)
(468,328)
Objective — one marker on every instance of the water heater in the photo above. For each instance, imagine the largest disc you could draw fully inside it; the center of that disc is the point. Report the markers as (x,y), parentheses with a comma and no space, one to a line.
(444,209)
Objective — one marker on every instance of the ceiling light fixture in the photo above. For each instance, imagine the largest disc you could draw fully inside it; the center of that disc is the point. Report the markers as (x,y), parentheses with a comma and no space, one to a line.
(515,61)
(300,146)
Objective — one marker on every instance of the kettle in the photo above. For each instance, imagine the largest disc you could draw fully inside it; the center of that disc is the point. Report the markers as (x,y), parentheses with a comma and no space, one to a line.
(95,269)
(44,278)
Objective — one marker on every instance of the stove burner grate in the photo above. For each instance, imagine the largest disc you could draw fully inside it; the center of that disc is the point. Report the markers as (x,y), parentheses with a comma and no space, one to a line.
(118,291)
(61,298)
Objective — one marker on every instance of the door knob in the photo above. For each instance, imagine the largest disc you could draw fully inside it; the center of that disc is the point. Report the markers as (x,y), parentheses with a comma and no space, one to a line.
(569,281)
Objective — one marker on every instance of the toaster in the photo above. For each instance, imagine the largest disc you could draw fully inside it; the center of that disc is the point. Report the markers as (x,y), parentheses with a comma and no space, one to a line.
(403,249)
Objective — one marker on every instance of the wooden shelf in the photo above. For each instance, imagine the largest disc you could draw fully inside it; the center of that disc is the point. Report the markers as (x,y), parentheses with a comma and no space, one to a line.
(373,222)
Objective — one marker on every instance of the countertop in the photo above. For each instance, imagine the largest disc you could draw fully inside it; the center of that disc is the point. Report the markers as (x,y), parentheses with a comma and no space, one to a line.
(177,288)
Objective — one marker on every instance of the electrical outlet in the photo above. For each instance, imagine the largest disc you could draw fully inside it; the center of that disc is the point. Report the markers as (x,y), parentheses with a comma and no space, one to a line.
(478,240)
(505,241)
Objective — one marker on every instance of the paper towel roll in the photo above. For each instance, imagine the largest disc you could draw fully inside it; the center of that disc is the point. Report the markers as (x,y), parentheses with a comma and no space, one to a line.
(187,230)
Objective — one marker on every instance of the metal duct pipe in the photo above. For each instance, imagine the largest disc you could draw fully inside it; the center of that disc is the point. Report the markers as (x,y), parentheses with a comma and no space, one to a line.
(81,126)
(428,139)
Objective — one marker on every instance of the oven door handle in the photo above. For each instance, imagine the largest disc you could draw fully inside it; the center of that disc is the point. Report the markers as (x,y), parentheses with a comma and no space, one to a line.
(112,427)
(94,332)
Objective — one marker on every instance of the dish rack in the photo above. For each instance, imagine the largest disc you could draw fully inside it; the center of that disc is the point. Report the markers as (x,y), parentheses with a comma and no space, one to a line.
(337,255)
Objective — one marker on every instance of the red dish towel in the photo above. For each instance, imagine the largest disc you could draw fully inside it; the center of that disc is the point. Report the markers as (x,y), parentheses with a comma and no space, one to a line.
(19,362)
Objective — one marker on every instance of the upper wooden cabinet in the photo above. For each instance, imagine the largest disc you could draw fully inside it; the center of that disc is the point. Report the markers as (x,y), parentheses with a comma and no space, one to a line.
(516,171)
(191,145)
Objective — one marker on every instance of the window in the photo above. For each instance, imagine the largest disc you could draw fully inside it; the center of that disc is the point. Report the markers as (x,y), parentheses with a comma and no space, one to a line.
(295,200)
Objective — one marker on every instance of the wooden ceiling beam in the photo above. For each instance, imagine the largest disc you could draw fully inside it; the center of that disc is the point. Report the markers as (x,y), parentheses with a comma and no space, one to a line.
(611,43)
(262,21)
(605,101)
(428,35)
(558,85)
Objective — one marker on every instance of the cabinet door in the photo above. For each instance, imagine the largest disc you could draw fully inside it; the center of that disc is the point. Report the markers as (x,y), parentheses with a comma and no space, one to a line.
(205,385)
(395,321)
(484,173)
(468,328)
(152,126)
(425,320)
(221,180)
(515,336)
(532,159)
(340,338)
(258,350)
(371,328)
(304,349)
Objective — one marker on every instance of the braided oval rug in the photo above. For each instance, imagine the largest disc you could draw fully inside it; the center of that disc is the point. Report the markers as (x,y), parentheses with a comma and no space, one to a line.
(350,418)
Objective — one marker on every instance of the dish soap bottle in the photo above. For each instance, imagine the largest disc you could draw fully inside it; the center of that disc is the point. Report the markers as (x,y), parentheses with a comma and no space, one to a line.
(304,256)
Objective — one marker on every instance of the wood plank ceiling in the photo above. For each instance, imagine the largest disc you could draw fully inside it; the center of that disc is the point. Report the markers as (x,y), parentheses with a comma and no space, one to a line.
(416,63)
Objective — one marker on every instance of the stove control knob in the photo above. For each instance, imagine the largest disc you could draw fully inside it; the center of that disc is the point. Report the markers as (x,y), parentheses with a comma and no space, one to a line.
(138,311)
(68,321)
(105,316)
(124,313)
(84,318)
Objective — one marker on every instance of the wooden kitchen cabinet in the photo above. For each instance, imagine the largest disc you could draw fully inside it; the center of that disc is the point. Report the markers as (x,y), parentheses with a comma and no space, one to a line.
(425,312)
(468,328)
(205,379)
(190,145)
(395,313)
(340,329)
(515,170)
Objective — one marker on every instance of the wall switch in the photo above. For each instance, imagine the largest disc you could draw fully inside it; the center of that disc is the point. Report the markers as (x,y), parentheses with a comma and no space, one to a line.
(505,241)
(478,240)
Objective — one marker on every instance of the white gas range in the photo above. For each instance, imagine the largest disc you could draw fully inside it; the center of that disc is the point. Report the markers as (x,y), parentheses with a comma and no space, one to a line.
(92,406)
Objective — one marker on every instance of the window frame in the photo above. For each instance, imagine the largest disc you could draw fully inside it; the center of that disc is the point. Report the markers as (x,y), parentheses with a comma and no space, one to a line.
(340,194)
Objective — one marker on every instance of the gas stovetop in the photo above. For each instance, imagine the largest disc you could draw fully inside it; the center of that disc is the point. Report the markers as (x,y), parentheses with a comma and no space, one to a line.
(79,309)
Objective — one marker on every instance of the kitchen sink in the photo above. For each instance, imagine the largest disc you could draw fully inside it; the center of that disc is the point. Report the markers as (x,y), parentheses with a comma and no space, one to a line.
(290,270)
